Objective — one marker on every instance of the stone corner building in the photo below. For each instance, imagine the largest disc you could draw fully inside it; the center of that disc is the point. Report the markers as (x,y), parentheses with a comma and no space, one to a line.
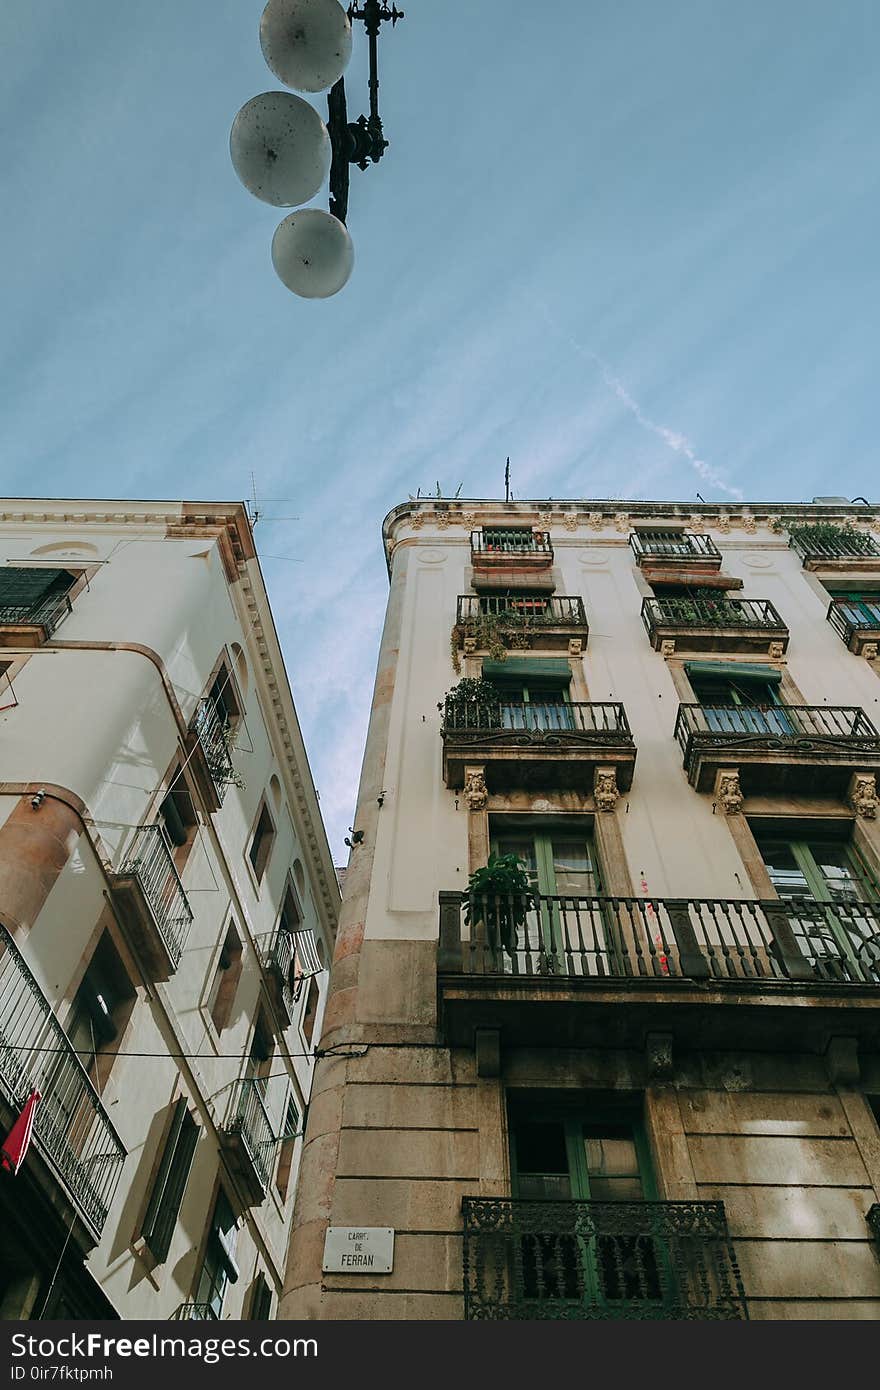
(650,1087)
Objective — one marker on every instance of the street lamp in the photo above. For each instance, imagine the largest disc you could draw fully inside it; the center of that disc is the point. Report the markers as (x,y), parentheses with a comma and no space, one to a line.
(282,150)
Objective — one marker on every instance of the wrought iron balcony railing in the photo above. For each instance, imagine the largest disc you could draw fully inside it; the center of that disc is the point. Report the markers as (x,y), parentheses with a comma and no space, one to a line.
(544,936)
(46,613)
(150,862)
(606,721)
(214,734)
(826,544)
(722,612)
(843,727)
(852,619)
(71,1127)
(599,1260)
(674,546)
(249,1132)
(544,610)
(278,958)
(193,1312)
(510,541)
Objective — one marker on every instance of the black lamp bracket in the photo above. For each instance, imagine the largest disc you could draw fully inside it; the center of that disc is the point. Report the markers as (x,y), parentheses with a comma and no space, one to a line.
(361,142)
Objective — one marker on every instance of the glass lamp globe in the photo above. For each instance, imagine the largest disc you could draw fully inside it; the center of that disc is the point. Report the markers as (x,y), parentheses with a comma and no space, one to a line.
(280,149)
(312,253)
(306,43)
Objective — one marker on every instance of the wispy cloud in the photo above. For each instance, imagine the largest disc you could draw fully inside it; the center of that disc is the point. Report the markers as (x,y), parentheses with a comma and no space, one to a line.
(673,439)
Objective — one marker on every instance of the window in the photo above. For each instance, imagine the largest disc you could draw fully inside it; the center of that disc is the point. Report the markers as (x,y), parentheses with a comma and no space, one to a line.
(860,606)
(219,1269)
(310,1009)
(831,882)
(31,596)
(534,692)
(178,819)
(100,1011)
(586,1155)
(227,973)
(261,843)
(288,1140)
(566,931)
(170,1183)
(739,698)
(261,1300)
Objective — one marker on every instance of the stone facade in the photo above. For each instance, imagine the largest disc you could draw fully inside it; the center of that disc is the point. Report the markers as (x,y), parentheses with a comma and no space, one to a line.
(680,994)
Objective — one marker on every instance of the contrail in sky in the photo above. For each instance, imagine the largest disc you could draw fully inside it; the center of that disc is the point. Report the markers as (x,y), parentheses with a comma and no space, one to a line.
(673,439)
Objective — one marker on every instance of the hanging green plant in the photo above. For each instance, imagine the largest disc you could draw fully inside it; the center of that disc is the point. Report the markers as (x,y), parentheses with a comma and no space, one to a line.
(832,533)
(500,896)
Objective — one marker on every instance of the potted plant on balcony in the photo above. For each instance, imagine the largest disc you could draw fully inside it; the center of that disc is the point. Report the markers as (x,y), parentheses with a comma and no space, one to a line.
(500,896)
(473,704)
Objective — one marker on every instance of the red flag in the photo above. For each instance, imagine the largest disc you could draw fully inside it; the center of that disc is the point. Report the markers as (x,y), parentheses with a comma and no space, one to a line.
(15,1145)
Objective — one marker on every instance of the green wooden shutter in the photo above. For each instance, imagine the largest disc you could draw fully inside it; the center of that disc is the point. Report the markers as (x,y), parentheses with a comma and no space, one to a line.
(168,1189)
(528,670)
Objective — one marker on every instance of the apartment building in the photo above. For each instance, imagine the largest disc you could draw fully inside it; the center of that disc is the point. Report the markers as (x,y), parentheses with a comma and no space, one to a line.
(167,908)
(632,1069)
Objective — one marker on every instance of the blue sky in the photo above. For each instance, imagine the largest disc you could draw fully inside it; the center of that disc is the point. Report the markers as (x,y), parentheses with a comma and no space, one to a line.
(632,245)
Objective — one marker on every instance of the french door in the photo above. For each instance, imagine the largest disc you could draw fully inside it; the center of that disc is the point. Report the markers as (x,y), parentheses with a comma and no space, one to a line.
(746,706)
(536,707)
(566,933)
(601,1255)
(836,930)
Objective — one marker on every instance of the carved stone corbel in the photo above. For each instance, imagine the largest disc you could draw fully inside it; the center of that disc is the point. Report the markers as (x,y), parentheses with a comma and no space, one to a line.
(667,646)
(842,1061)
(862,794)
(575,646)
(776,651)
(658,1055)
(869,651)
(605,791)
(476,793)
(469,645)
(728,793)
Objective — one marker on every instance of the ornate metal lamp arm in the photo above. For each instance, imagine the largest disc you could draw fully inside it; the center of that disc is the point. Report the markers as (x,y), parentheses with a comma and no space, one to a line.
(359,142)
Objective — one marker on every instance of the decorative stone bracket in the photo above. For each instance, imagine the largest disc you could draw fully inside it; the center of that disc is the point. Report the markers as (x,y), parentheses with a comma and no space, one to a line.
(605,790)
(862,795)
(476,793)
(658,1055)
(869,651)
(842,1061)
(728,793)
(667,646)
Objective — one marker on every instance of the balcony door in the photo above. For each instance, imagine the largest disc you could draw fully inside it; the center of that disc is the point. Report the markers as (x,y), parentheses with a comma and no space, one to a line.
(570,1254)
(566,933)
(741,704)
(860,607)
(536,707)
(837,930)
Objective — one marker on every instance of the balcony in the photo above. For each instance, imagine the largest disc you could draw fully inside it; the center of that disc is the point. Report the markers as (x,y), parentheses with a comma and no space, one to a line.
(835,549)
(278,960)
(510,548)
(803,750)
(544,969)
(209,742)
(714,625)
(151,899)
(536,746)
(75,1141)
(598,1260)
(193,1312)
(32,624)
(858,624)
(675,548)
(248,1139)
(552,622)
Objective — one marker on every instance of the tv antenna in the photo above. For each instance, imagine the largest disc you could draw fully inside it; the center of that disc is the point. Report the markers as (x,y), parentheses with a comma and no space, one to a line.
(255,511)
(507,480)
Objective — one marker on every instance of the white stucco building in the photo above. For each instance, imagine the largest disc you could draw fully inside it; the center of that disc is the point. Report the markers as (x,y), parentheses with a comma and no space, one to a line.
(167,903)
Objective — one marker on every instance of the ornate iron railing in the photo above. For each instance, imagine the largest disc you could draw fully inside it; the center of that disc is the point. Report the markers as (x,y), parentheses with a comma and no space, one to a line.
(71,1127)
(248,1118)
(547,610)
(711,612)
(556,936)
(46,613)
(844,728)
(848,616)
(844,545)
(599,1260)
(193,1312)
(510,540)
(215,739)
(605,721)
(150,861)
(672,545)
(278,960)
